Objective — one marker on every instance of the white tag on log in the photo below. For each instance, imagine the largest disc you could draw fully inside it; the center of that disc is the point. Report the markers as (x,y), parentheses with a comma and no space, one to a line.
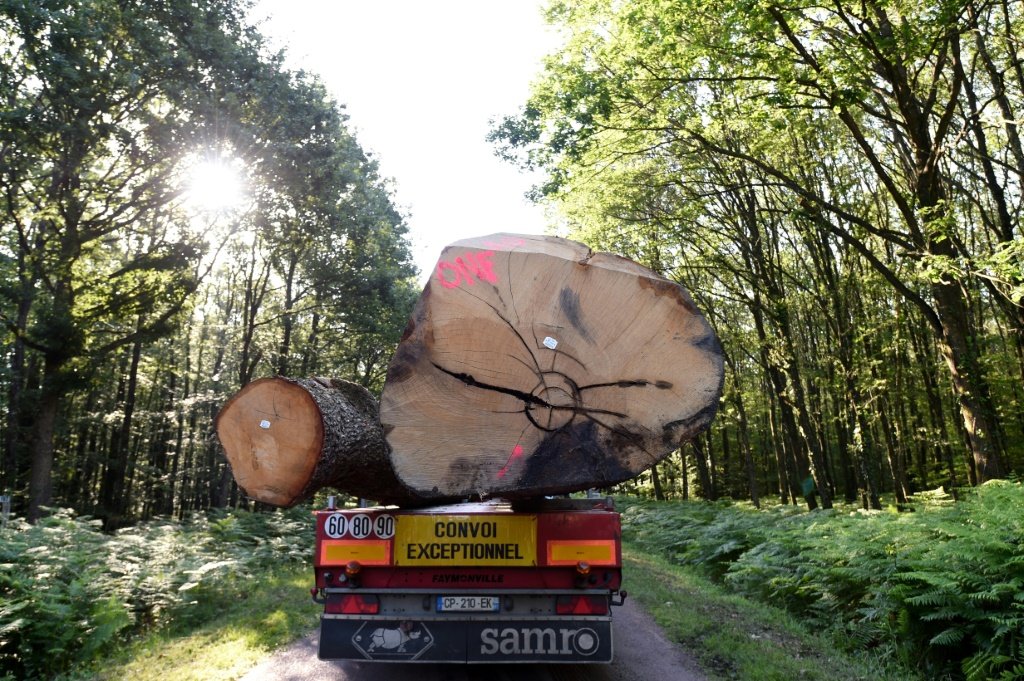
(264,424)
(550,342)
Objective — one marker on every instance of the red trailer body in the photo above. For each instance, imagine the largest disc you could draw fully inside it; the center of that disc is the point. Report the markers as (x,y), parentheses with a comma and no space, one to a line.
(471,582)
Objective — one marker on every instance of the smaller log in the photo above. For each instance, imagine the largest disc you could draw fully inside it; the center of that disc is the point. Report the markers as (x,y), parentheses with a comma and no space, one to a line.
(287,438)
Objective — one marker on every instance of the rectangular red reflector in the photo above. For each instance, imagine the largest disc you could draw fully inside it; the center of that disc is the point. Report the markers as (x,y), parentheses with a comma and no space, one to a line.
(581,605)
(353,604)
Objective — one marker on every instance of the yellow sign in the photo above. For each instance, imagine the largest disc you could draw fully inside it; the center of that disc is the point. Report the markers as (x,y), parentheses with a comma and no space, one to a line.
(449,540)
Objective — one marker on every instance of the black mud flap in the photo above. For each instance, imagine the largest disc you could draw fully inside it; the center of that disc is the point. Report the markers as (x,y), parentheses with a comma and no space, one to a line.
(472,641)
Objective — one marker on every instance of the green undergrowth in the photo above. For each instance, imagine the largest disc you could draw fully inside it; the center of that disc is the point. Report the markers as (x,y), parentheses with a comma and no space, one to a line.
(274,611)
(938,591)
(72,595)
(733,637)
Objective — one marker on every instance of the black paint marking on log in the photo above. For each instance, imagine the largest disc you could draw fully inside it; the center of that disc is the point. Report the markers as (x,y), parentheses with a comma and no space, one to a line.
(528,398)
(473,383)
(638,383)
(569,303)
(674,431)
(570,455)
(709,343)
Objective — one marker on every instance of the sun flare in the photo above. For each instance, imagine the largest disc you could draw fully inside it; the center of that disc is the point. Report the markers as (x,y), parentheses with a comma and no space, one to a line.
(215,186)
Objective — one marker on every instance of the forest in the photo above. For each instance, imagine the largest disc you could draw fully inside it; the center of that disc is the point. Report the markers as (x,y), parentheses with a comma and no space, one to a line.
(132,309)
(838,186)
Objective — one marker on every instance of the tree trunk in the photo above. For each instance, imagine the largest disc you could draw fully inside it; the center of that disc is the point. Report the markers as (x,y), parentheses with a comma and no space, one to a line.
(748,458)
(285,439)
(41,476)
(530,366)
(685,474)
(959,348)
(115,497)
(700,458)
(14,433)
(659,493)
(284,349)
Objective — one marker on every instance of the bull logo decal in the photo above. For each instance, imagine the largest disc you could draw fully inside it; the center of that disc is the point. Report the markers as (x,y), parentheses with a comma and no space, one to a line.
(405,640)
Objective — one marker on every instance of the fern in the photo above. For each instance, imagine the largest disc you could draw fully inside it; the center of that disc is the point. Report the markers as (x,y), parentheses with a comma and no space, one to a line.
(69,593)
(948,637)
(941,589)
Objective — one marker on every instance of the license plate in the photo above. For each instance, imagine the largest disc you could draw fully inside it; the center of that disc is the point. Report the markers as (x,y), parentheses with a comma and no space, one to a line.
(468,603)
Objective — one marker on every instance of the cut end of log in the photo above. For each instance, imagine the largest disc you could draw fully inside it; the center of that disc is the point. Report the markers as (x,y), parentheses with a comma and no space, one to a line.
(532,365)
(272,435)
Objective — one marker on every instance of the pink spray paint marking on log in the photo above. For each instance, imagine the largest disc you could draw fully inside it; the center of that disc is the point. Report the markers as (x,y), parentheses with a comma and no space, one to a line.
(517,452)
(467,269)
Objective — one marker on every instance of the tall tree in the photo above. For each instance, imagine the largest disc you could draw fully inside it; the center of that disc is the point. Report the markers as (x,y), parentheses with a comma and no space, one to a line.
(86,194)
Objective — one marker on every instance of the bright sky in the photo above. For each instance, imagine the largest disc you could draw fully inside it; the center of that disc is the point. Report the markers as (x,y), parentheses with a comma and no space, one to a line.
(420,80)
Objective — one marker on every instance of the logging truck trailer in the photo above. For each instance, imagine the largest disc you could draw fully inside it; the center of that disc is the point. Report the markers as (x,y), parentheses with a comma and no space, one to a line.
(476,582)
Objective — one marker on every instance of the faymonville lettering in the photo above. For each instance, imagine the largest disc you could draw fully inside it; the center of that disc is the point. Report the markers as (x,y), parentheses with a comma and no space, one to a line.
(463,579)
(468,551)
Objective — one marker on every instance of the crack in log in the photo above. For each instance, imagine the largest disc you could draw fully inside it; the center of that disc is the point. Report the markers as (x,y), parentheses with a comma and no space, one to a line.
(510,325)
(472,382)
(511,290)
(528,398)
(638,383)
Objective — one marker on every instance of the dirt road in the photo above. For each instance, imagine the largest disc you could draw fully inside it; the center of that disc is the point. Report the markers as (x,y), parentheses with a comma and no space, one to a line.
(641,653)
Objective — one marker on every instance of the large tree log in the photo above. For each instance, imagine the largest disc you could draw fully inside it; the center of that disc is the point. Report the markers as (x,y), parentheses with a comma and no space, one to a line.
(285,439)
(533,366)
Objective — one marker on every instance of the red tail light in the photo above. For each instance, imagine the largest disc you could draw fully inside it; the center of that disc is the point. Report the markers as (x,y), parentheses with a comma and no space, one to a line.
(582,605)
(353,604)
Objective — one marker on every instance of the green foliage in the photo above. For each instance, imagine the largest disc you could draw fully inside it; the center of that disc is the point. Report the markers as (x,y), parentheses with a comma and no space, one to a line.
(129,311)
(274,610)
(733,637)
(71,593)
(940,589)
(772,157)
